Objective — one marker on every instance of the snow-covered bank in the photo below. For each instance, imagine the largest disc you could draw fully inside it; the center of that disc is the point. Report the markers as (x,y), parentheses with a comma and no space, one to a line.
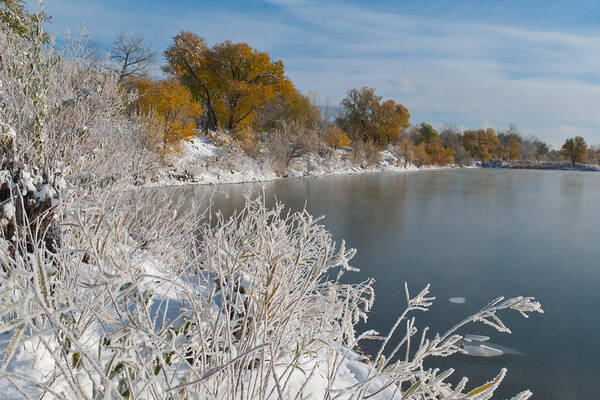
(202,162)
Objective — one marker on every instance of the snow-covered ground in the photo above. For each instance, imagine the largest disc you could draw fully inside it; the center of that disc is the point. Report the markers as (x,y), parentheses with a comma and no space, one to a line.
(202,162)
(35,364)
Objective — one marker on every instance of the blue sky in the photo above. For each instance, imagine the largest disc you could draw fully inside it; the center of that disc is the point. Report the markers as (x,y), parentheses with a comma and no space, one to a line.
(469,63)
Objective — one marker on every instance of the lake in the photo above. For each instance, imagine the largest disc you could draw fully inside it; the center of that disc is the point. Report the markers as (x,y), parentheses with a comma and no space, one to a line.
(478,234)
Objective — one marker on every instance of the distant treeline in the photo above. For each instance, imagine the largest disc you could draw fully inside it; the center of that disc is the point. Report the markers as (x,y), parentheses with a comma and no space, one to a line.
(235,88)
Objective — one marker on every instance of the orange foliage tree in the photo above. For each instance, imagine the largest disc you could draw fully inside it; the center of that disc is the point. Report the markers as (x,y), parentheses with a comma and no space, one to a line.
(173,109)
(335,138)
(233,81)
(366,118)
(391,119)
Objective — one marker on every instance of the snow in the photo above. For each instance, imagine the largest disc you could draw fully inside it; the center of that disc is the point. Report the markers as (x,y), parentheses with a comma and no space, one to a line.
(34,357)
(31,356)
(203,162)
(200,148)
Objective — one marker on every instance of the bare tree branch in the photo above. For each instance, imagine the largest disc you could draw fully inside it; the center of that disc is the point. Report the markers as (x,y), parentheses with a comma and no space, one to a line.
(132,56)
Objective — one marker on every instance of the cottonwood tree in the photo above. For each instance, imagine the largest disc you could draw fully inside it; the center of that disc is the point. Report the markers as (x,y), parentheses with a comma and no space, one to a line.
(335,138)
(575,150)
(450,139)
(233,81)
(390,120)
(173,111)
(132,57)
(483,144)
(367,120)
(437,153)
(295,108)
(358,119)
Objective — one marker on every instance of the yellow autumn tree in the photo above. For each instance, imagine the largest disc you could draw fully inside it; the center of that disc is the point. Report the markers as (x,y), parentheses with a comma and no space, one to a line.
(420,155)
(232,81)
(391,119)
(291,108)
(366,118)
(437,153)
(513,149)
(483,144)
(173,109)
(335,138)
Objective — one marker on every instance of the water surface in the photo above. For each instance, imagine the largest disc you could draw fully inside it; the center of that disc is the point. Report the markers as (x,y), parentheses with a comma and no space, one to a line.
(476,234)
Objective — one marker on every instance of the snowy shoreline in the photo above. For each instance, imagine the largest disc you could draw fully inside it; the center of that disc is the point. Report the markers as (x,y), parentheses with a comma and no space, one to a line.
(203,163)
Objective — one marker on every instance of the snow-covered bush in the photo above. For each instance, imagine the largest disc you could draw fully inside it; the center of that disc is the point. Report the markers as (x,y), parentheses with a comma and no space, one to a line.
(66,111)
(254,310)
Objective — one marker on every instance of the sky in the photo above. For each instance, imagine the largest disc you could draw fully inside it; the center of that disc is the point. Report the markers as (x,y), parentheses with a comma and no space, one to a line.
(471,63)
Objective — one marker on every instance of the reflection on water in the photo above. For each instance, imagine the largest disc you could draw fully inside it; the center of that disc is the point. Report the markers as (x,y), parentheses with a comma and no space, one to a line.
(476,234)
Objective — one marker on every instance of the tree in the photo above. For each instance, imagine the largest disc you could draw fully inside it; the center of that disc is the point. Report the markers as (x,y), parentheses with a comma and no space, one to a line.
(513,149)
(437,153)
(293,108)
(173,109)
(335,137)
(542,150)
(483,144)
(594,154)
(424,134)
(451,140)
(132,56)
(360,106)
(575,150)
(232,81)
(367,119)
(512,133)
(449,137)
(461,155)
(528,147)
(555,155)
(389,119)
(421,157)
(406,149)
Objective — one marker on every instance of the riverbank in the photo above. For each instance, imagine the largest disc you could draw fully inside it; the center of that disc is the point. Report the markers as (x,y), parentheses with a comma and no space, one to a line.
(202,162)
(542,165)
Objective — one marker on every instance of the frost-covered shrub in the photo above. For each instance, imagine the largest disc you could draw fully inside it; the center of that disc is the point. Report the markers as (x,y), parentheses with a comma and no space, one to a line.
(66,111)
(254,310)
